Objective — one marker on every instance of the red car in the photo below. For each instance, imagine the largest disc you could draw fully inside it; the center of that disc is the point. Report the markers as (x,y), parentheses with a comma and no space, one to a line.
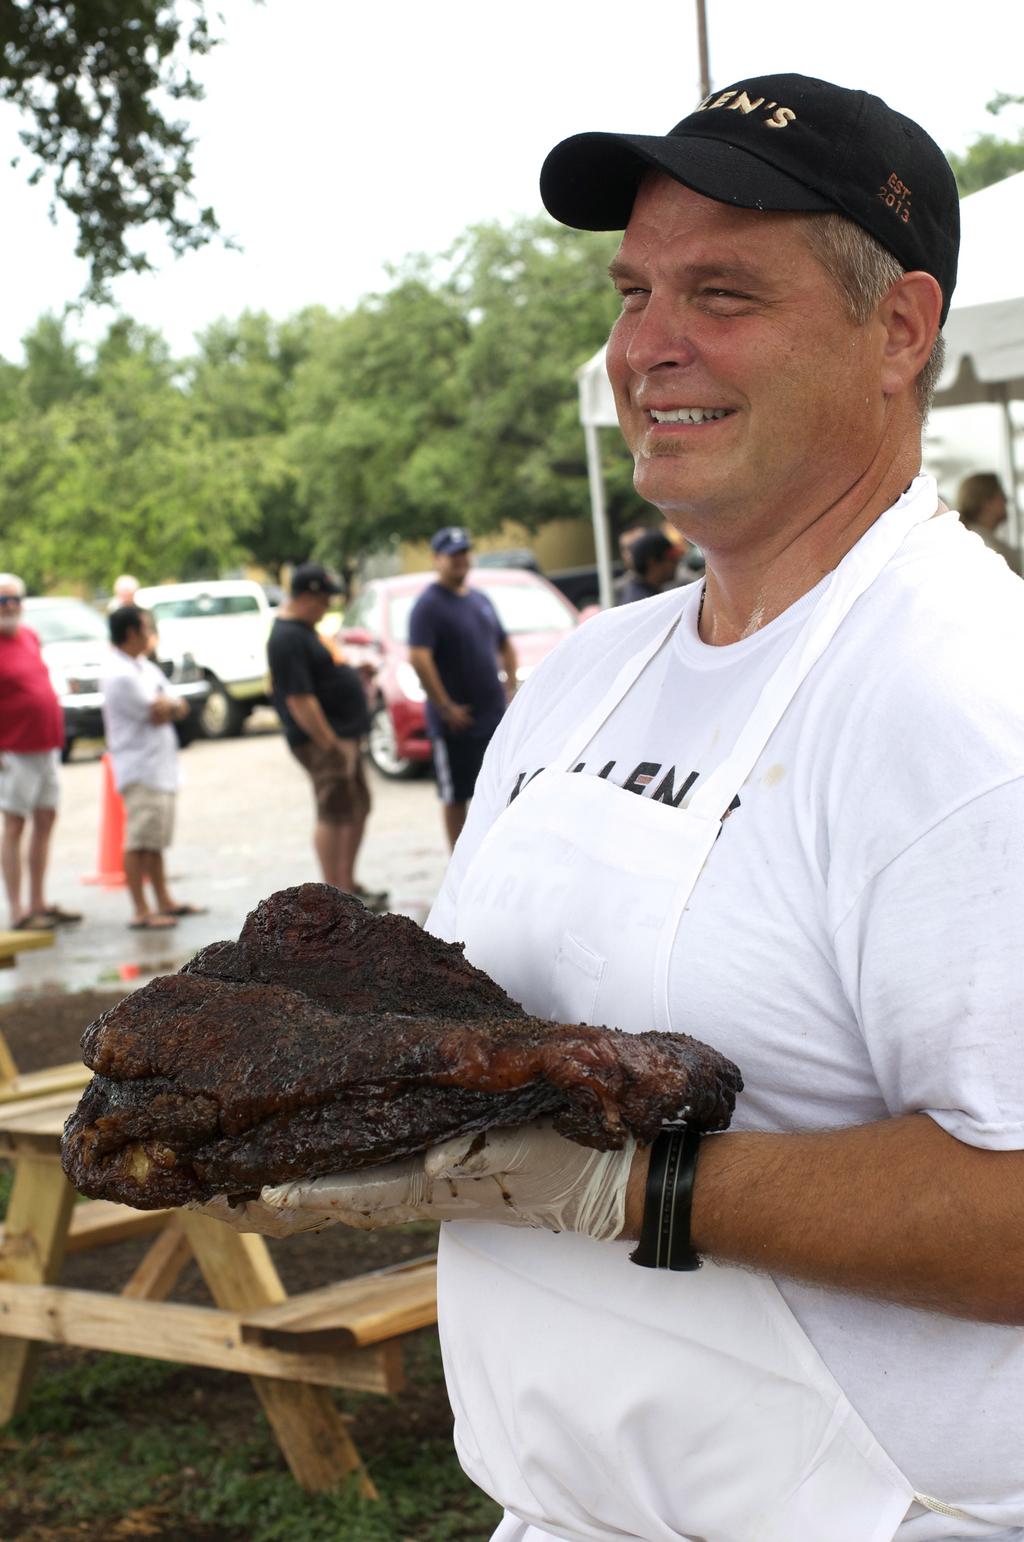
(375,631)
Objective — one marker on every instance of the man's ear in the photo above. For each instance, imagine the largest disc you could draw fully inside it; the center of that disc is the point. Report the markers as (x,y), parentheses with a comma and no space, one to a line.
(910,315)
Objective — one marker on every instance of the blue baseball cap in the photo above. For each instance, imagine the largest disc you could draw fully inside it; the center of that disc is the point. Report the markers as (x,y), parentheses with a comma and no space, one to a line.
(452,539)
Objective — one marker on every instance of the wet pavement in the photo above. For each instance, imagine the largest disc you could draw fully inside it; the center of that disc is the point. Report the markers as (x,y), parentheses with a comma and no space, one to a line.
(244,829)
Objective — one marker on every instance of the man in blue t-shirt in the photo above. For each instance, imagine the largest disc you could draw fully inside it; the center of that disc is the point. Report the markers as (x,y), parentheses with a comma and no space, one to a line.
(455,644)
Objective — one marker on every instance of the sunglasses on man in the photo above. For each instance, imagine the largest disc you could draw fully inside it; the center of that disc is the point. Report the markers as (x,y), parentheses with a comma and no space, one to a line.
(11,601)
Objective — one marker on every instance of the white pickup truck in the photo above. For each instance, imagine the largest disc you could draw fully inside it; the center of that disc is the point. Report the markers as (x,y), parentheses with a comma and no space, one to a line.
(223,624)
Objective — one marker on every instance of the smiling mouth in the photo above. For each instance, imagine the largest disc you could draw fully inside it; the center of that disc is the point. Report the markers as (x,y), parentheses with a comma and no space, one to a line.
(690,414)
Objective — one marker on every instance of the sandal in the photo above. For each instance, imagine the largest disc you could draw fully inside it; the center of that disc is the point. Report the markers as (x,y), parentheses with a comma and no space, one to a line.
(38,921)
(185,910)
(61,917)
(154,923)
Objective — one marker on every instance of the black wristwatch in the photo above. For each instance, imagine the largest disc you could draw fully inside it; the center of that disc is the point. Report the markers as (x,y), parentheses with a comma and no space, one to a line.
(665,1231)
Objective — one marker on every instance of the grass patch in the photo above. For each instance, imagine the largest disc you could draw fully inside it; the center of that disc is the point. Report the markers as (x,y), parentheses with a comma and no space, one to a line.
(110,1444)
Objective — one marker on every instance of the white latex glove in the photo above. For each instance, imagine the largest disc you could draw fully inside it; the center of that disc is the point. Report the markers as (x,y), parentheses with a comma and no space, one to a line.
(254,1215)
(526,1176)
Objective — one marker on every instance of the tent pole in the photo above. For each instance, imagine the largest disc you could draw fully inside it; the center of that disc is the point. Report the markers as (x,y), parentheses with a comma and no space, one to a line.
(1016,523)
(602,546)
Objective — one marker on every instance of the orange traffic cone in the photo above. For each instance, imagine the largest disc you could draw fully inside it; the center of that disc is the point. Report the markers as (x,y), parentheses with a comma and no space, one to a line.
(110,871)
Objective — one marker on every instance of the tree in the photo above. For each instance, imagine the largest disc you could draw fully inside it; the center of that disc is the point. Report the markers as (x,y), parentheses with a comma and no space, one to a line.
(451,398)
(89,76)
(118,475)
(378,386)
(541,302)
(53,370)
(240,386)
(990,158)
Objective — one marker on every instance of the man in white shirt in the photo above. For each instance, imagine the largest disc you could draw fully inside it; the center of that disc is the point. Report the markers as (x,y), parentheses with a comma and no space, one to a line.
(139,713)
(783,812)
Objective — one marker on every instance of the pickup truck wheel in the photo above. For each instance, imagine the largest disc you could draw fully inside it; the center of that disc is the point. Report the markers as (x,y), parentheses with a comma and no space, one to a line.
(382,747)
(221,717)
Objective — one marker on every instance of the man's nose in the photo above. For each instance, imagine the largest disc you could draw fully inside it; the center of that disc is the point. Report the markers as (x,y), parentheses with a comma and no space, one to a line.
(661,338)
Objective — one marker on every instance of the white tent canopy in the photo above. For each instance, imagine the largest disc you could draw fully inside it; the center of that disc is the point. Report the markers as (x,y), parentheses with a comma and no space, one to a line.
(984,330)
(984,334)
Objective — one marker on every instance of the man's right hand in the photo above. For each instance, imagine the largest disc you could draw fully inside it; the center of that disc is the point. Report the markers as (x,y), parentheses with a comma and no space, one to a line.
(528,1175)
(457,717)
(347,752)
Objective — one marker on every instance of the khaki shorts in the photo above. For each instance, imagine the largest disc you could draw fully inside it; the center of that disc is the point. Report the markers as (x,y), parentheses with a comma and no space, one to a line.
(149,818)
(28,782)
(340,799)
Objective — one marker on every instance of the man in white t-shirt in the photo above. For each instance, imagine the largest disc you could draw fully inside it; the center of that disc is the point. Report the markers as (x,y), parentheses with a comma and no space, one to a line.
(782,811)
(139,713)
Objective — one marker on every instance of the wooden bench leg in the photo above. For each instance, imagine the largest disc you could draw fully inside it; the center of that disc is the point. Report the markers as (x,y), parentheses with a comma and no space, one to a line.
(158,1271)
(8,1069)
(33,1252)
(241,1276)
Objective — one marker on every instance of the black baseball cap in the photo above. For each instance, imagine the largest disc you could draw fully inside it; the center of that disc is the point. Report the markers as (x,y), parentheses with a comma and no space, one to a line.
(786,143)
(311,578)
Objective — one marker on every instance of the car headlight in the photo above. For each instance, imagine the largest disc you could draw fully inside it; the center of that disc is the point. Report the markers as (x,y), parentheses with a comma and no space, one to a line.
(408,682)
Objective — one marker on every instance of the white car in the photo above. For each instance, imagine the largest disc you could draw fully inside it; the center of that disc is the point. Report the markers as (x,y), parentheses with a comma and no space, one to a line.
(223,623)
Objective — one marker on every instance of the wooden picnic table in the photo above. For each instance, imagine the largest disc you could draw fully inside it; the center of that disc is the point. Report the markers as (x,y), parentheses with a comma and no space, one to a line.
(294,1348)
(13,943)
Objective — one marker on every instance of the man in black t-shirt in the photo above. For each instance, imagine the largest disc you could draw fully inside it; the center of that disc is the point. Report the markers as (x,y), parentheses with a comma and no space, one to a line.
(322,707)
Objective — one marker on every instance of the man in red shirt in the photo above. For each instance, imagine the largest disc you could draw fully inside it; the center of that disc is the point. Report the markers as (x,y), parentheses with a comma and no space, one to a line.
(31,736)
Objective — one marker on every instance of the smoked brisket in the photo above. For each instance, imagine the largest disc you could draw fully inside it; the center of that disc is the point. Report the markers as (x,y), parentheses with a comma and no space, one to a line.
(327,1038)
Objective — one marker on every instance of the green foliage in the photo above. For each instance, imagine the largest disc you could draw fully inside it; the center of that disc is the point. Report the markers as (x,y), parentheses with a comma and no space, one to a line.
(452,397)
(448,398)
(112,1437)
(377,388)
(91,77)
(991,157)
(53,366)
(240,386)
(105,466)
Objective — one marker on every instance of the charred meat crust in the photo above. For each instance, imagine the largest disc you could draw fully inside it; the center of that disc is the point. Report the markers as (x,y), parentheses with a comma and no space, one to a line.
(328,1038)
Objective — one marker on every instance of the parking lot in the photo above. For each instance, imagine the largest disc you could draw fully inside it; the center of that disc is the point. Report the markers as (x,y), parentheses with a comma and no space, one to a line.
(244,829)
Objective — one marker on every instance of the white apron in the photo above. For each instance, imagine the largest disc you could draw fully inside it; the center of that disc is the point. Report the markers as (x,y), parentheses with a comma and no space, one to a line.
(594,1399)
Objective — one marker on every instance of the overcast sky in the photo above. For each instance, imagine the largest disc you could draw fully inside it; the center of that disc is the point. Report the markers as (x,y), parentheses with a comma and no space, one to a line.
(338,137)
